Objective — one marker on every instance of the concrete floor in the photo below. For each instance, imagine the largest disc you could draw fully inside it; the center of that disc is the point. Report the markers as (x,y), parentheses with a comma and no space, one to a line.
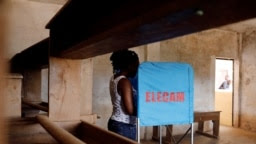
(228,135)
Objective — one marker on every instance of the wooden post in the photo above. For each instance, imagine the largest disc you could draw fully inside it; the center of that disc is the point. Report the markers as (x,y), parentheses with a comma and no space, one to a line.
(13,95)
(3,27)
(66,89)
(86,87)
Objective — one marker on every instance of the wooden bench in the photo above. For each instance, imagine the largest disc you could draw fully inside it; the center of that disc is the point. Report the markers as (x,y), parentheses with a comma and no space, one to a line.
(199,117)
(87,133)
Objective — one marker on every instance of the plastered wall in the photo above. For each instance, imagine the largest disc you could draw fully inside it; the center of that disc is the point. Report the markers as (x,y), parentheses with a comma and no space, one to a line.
(101,103)
(248,82)
(26,24)
(200,50)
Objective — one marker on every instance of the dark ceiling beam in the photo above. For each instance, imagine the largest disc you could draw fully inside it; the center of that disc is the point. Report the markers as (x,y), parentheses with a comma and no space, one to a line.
(168,19)
(127,17)
(127,24)
(34,57)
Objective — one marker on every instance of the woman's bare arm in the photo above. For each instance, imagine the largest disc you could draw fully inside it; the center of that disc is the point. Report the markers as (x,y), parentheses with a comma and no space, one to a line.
(125,90)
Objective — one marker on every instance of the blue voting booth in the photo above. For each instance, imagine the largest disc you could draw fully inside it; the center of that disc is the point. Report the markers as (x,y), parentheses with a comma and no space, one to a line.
(165,93)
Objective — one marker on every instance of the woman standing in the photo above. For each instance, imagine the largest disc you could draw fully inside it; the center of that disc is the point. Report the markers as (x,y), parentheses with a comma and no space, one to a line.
(123,121)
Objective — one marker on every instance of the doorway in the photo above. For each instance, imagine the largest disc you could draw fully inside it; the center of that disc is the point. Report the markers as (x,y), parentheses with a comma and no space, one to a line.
(224,75)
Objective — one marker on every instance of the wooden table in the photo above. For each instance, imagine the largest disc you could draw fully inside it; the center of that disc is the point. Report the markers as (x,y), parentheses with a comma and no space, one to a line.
(199,117)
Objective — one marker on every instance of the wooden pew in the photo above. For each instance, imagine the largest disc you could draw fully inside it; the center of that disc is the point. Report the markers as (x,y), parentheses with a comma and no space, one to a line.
(61,135)
(93,134)
(87,133)
(27,130)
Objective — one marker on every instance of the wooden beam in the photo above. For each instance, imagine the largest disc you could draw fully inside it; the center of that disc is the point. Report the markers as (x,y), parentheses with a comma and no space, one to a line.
(126,24)
(65,89)
(61,135)
(99,15)
(168,19)
(120,21)
(36,106)
(4,24)
(86,87)
(34,57)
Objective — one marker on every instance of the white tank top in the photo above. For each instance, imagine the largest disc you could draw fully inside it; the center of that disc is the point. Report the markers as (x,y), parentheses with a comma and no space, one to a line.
(119,113)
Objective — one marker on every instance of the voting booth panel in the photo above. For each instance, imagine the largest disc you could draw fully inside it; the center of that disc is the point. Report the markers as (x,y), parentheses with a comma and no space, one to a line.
(165,93)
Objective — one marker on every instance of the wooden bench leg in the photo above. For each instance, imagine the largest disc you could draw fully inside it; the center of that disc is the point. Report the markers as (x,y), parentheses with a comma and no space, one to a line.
(168,139)
(216,125)
(156,136)
(155,133)
(215,129)
(201,126)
